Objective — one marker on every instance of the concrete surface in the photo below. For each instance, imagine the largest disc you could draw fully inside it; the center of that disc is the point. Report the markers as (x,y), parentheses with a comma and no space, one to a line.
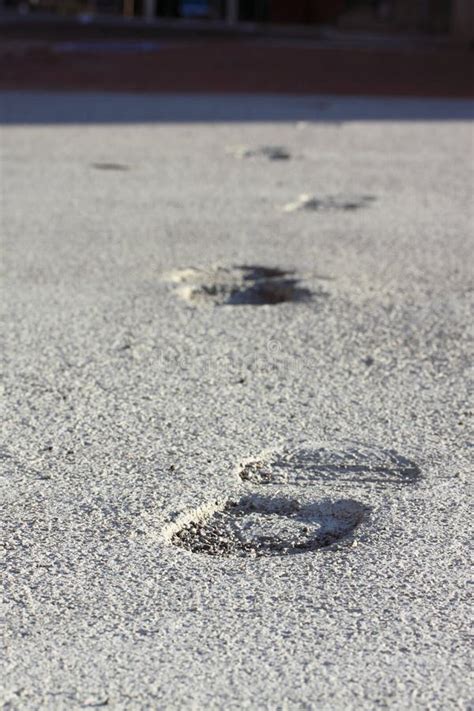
(129,409)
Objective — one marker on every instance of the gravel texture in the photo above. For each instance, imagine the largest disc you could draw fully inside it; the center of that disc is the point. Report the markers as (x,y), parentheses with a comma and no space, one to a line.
(144,431)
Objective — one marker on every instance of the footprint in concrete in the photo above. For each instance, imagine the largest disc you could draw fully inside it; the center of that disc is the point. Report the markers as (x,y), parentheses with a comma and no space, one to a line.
(329,203)
(110,166)
(269,152)
(240,285)
(342,463)
(265,526)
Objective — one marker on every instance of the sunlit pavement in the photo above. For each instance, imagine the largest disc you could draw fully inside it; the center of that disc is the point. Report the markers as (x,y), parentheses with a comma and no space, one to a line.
(193,285)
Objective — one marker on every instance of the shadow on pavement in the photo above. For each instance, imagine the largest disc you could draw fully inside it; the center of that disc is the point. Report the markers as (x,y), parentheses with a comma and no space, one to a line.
(40,107)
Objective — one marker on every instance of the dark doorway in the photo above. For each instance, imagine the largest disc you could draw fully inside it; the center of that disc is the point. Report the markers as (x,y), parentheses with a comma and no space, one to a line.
(306,11)
(168,8)
(254,10)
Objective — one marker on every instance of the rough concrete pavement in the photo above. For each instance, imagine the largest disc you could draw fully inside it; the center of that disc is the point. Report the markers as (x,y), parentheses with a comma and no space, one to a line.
(129,409)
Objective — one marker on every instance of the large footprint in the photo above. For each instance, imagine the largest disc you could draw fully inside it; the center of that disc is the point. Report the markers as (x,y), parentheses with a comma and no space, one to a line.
(240,285)
(257,525)
(341,463)
(265,526)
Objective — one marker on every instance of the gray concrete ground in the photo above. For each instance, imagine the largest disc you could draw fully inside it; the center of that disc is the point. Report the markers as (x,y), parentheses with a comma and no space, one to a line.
(136,395)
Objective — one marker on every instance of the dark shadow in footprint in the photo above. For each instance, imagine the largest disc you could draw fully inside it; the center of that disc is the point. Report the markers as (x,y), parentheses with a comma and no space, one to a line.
(269,291)
(349,463)
(275,152)
(269,152)
(240,285)
(253,272)
(110,166)
(264,526)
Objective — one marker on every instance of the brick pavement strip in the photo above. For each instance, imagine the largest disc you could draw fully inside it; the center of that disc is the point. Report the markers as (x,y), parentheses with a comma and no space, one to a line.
(243,65)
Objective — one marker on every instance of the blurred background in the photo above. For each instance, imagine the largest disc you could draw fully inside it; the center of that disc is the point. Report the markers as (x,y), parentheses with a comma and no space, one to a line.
(439,16)
(370,47)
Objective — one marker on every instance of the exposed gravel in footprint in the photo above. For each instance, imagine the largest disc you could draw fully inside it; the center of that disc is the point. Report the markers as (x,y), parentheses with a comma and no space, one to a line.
(239,285)
(341,463)
(270,152)
(264,526)
(328,203)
